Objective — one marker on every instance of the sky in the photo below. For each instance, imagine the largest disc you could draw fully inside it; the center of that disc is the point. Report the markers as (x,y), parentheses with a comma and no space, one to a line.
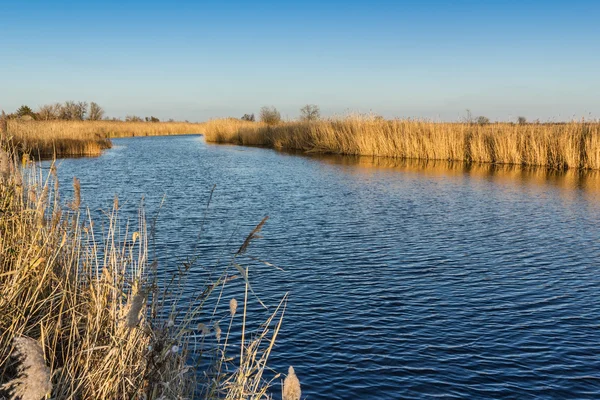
(197,60)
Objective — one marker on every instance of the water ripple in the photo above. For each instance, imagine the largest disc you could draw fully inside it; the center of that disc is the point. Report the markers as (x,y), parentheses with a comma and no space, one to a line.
(405,281)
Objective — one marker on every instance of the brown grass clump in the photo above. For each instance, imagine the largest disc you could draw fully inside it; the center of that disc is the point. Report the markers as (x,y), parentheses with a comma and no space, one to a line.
(558,146)
(84,138)
(90,311)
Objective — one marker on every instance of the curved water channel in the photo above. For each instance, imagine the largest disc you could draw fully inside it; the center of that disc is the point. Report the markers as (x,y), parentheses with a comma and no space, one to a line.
(406,280)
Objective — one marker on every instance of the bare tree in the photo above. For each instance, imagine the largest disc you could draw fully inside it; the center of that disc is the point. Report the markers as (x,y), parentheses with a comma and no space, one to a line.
(133,118)
(74,111)
(45,112)
(248,117)
(81,110)
(96,112)
(67,110)
(49,111)
(270,115)
(310,112)
(469,118)
(521,120)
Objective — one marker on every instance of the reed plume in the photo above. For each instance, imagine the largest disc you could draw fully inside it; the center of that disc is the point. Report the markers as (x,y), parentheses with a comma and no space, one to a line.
(291,386)
(76,194)
(217,329)
(233,304)
(33,380)
(4,165)
(133,316)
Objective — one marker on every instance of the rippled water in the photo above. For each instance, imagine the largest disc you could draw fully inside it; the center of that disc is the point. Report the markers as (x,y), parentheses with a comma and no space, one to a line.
(406,280)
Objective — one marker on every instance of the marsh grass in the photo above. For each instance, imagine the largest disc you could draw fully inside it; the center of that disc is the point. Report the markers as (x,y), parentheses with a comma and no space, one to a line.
(574,145)
(84,138)
(86,299)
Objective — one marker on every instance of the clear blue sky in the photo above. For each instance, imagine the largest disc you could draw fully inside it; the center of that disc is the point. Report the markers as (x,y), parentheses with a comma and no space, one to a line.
(195,60)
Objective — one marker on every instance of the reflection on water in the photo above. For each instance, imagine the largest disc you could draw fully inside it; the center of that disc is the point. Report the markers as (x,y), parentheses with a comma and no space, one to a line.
(588,181)
(406,279)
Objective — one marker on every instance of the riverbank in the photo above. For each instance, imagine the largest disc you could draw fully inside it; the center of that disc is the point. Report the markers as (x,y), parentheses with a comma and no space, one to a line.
(557,146)
(84,314)
(84,138)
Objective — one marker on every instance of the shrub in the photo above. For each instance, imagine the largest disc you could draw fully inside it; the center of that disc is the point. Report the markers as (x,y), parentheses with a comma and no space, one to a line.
(270,115)
(24,111)
(483,120)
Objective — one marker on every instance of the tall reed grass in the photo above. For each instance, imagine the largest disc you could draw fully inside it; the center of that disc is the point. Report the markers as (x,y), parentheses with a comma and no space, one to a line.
(85,315)
(84,138)
(557,146)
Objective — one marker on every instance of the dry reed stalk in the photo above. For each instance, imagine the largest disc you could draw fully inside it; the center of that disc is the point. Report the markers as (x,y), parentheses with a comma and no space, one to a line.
(574,145)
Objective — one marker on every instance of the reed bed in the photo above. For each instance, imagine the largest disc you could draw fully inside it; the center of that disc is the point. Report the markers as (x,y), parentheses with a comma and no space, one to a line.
(84,138)
(557,146)
(84,314)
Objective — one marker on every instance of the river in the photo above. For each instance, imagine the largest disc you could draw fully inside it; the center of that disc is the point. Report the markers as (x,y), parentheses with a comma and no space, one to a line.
(405,280)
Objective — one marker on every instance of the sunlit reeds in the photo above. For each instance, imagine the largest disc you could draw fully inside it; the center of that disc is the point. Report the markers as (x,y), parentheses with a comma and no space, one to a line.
(84,314)
(558,146)
(84,138)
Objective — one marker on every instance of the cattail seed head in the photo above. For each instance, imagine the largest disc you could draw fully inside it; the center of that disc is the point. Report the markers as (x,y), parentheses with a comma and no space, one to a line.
(233,306)
(291,386)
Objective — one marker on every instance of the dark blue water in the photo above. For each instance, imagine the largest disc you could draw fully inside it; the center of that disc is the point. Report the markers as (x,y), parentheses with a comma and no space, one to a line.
(406,280)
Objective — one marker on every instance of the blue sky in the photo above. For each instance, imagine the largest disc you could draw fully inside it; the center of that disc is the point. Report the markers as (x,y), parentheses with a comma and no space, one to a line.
(196,60)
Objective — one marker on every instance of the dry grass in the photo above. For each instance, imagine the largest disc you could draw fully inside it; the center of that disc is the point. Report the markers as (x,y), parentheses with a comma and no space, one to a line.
(559,146)
(84,138)
(88,302)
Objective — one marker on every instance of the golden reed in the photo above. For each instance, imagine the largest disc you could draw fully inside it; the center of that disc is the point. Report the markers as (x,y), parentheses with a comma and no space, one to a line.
(84,138)
(557,146)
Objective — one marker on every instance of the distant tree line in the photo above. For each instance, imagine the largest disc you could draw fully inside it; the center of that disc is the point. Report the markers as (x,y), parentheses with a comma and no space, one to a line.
(72,111)
(271,116)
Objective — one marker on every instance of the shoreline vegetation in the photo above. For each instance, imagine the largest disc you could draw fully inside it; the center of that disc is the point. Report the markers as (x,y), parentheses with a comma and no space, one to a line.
(84,312)
(78,128)
(58,138)
(572,145)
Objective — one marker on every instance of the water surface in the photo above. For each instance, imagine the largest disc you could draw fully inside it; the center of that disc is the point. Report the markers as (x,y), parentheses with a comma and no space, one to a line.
(406,279)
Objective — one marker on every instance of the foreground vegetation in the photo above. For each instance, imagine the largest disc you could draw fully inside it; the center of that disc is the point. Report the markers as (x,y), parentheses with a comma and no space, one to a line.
(84,314)
(83,138)
(558,146)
